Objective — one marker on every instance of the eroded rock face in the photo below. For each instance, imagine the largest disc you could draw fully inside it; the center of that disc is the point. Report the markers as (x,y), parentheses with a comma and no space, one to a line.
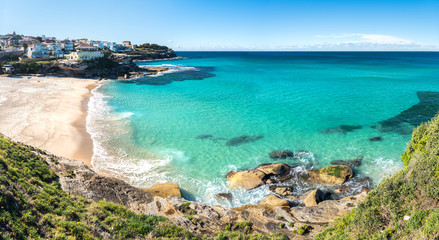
(164,190)
(248,179)
(314,197)
(274,200)
(331,175)
(324,212)
(274,169)
(281,190)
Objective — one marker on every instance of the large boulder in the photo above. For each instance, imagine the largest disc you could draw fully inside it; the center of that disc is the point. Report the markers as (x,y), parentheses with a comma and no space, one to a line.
(274,200)
(331,175)
(281,154)
(276,169)
(164,190)
(314,197)
(248,179)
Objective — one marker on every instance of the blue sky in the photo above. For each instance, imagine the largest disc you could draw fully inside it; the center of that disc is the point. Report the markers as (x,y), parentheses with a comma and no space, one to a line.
(234,25)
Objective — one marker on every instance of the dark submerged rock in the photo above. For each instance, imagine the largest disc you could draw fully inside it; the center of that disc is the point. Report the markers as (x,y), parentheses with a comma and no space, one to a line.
(205,136)
(281,154)
(350,163)
(343,129)
(375,139)
(242,139)
(423,111)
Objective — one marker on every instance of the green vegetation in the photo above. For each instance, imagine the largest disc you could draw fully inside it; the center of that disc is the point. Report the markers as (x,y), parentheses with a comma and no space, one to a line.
(241,236)
(291,224)
(303,230)
(31,67)
(9,58)
(32,205)
(281,225)
(102,63)
(153,46)
(333,171)
(411,193)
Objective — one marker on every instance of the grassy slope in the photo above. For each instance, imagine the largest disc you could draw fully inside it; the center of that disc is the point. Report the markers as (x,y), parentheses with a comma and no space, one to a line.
(32,205)
(414,192)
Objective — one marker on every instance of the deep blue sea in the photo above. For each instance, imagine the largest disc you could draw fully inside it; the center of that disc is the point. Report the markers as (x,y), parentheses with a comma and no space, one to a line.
(214,112)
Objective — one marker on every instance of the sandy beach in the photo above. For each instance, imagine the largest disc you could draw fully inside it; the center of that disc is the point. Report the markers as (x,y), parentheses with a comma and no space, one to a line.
(48,113)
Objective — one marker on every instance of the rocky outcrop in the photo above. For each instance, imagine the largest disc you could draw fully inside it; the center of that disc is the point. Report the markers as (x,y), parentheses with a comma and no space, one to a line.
(281,190)
(164,190)
(248,179)
(331,175)
(273,215)
(324,212)
(274,200)
(277,169)
(265,173)
(314,197)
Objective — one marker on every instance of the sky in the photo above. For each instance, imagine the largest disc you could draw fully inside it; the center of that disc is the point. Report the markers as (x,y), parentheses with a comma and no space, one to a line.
(228,25)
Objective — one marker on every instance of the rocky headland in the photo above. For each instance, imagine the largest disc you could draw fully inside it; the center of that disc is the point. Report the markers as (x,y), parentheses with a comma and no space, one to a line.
(112,66)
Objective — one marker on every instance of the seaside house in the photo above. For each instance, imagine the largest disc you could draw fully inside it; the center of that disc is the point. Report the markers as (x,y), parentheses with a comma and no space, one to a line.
(84,52)
(37,51)
(67,45)
(9,40)
(98,44)
(55,50)
(129,45)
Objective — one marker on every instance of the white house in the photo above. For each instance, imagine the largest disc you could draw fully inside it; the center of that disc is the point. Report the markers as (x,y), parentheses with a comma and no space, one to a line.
(67,45)
(37,51)
(54,49)
(85,52)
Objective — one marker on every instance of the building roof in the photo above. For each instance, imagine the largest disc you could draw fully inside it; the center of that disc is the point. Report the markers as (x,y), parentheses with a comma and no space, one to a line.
(86,46)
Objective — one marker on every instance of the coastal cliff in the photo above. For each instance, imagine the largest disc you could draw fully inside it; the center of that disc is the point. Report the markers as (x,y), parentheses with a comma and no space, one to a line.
(46,196)
(405,205)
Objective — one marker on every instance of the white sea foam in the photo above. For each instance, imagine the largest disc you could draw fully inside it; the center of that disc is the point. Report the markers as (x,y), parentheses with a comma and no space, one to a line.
(381,168)
(171,69)
(112,153)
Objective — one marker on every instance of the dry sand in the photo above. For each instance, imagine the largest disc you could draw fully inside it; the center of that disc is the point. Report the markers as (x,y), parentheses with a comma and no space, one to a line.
(48,113)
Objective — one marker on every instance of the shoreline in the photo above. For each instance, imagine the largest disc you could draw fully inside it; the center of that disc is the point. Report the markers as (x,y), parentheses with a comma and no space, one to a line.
(49,113)
(84,151)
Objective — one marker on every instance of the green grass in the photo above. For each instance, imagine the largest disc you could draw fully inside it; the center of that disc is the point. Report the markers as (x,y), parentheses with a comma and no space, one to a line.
(414,192)
(33,206)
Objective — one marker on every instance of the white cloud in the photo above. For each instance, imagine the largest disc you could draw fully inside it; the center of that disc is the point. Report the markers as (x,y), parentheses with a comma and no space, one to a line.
(368,38)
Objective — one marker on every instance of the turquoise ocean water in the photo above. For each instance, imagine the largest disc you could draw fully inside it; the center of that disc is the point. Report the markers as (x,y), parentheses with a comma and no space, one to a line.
(178,126)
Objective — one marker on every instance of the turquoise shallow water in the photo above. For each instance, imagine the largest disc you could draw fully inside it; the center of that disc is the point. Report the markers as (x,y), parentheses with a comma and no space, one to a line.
(147,130)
